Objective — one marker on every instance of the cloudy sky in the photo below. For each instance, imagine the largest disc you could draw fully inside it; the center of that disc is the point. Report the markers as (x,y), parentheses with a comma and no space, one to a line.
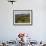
(22,12)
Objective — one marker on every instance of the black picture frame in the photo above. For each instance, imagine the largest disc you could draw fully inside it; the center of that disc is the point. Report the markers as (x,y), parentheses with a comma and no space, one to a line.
(19,14)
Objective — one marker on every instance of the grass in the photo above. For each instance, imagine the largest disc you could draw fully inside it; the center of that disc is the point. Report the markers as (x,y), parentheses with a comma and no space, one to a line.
(22,18)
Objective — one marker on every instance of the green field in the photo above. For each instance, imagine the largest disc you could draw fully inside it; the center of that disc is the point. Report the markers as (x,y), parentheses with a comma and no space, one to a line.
(22,18)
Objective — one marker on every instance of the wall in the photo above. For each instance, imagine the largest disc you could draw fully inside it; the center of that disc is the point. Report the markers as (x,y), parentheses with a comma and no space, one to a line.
(37,31)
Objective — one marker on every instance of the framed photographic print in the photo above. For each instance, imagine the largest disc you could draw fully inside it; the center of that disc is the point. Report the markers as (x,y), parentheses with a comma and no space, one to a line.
(22,16)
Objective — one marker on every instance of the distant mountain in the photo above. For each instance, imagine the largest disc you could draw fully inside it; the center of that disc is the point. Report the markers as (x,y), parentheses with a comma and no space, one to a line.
(21,14)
